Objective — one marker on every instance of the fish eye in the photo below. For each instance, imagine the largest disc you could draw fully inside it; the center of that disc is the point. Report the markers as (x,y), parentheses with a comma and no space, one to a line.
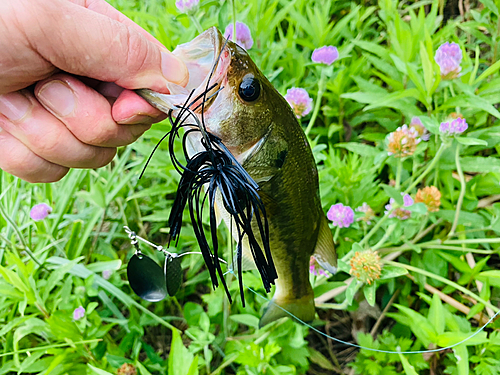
(249,88)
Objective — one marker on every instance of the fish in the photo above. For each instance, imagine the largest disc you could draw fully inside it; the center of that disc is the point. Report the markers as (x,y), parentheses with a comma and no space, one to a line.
(257,125)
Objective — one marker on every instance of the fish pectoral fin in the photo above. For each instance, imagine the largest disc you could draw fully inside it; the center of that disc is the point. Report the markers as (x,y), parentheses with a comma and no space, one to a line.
(218,214)
(302,308)
(268,159)
(247,262)
(324,252)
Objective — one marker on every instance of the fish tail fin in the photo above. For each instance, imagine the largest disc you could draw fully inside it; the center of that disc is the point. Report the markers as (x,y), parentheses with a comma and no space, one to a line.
(325,253)
(302,308)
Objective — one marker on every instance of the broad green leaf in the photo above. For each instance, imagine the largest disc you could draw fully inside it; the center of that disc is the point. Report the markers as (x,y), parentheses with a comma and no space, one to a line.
(180,358)
(394,194)
(371,47)
(428,69)
(470,101)
(476,309)
(426,332)
(362,97)
(436,314)
(431,124)
(490,4)
(462,355)
(491,70)
(493,277)
(390,272)
(351,291)
(110,265)
(480,164)
(359,148)
(469,219)
(370,293)
(319,359)
(193,369)
(408,369)
(97,371)
(418,208)
(452,338)
(471,141)
(246,319)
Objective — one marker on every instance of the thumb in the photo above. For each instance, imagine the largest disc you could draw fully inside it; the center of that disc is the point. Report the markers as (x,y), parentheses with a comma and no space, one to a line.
(80,41)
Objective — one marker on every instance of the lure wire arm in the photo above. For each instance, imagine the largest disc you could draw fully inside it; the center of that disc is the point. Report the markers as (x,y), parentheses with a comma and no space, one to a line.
(134,240)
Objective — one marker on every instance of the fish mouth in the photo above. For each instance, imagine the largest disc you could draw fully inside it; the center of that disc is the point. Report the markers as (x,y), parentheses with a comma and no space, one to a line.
(207,59)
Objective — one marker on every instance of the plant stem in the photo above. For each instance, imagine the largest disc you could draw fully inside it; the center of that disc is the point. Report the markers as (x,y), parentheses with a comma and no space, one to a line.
(20,236)
(385,237)
(317,105)
(472,240)
(443,280)
(462,191)
(374,230)
(428,169)
(336,235)
(399,171)
(197,24)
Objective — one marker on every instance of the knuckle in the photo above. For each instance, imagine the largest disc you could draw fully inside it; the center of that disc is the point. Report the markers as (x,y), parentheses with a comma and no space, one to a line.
(139,53)
(49,144)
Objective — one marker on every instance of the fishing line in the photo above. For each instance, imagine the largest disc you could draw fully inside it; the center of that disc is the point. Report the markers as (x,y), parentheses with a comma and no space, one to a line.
(372,349)
(134,239)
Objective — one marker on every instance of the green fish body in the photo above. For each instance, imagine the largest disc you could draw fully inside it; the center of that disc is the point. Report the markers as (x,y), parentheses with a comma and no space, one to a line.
(260,129)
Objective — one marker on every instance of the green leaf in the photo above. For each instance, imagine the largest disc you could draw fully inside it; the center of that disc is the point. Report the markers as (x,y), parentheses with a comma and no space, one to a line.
(319,359)
(428,69)
(394,194)
(390,272)
(436,314)
(359,148)
(97,371)
(425,332)
(452,338)
(471,141)
(476,309)
(351,291)
(371,47)
(431,124)
(193,369)
(491,70)
(418,208)
(480,164)
(110,265)
(408,369)
(246,319)
(492,277)
(491,6)
(462,356)
(470,101)
(179,359)
(370,293)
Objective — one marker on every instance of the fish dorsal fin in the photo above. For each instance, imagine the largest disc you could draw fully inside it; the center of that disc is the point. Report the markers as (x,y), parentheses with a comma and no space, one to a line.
(324,252)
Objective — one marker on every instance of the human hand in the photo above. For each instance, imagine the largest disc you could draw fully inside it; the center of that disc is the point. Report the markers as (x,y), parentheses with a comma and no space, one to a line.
(80,60)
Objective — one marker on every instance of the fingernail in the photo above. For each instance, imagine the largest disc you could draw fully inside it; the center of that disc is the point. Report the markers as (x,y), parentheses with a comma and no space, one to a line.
(14,105)
(173,69)
(58,97)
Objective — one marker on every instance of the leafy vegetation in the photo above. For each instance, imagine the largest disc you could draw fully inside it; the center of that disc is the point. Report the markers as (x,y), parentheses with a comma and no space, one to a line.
(439,279)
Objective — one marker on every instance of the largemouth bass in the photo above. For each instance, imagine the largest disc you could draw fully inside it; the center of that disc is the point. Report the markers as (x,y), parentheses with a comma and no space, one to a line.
(260,129)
